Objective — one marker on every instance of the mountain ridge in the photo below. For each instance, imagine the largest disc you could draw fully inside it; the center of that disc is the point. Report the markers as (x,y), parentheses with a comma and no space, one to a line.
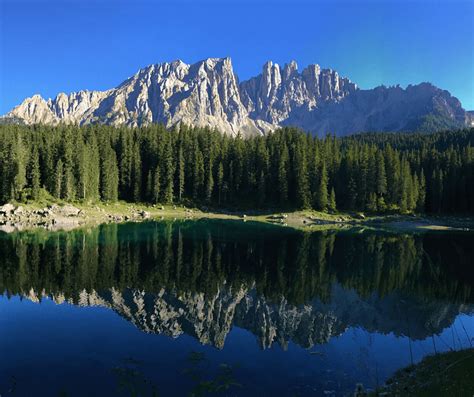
(208,94)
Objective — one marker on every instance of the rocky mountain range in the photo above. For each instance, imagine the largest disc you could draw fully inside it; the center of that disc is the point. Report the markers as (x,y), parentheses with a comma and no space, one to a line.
(208,93)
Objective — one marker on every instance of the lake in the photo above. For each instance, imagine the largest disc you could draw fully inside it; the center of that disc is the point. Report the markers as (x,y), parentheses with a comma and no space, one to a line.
(226,308)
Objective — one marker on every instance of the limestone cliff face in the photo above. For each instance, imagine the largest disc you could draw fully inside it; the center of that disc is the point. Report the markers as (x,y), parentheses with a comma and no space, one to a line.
(277,93)
(208,94)
(204,94)
(210,318)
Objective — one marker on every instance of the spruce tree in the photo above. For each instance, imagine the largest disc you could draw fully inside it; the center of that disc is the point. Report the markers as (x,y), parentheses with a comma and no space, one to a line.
(180,172)
(301,178)
(381,184)
(58,180)
(322,192)
(283,174)
(332,201)
(420,204)
(34,175)
(156,191)
(109,175)
(168,173)
(198,173)
(220,182)
(18,166)
(136,173)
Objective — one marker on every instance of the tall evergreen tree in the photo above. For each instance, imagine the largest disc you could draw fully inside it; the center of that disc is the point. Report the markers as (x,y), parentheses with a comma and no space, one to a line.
(283,174)
(58,180)
(136,173)
(180,172)
(109,175)
(322,192)
(35,175)
(301,178)
(332,201)
(168,172)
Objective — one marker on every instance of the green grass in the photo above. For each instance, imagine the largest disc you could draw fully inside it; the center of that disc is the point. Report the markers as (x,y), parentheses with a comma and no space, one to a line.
(101,212)
(445,374)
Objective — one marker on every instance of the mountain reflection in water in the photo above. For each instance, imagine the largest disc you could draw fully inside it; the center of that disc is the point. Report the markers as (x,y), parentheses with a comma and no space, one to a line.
(204,278)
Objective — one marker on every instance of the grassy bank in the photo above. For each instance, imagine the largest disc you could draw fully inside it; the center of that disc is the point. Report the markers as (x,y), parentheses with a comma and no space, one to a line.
(446,374)
(68,216)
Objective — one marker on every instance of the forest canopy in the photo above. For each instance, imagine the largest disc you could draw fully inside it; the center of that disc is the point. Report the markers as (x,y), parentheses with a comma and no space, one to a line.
(374,172)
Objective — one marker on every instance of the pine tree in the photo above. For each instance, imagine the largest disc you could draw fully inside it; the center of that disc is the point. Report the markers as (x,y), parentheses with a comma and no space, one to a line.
(352,193)
(381,185)
(322,192)
(35,175)
(136,173)
(420,204)
(209,179)
(109,175)
(332,200)
(18,166)
(180,172)
(58,180)
(283,175)
(261,191)
(168,173)
(125,156)
(301,178)
(198,173)
(69,149)
(93,169)
(156,186)
(363,173)
(372,202)
(80,168)
(440,190)
(220,182)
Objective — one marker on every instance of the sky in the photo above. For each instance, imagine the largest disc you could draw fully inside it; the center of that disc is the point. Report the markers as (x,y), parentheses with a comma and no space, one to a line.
(52,46)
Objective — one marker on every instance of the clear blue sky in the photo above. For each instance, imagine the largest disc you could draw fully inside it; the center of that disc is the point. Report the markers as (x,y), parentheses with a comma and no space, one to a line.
(49,46)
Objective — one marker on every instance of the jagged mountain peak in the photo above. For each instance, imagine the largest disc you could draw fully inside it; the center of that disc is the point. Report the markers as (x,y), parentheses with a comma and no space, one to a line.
(208,93)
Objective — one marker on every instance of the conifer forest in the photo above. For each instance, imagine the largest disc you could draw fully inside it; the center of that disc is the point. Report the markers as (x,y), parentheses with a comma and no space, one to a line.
(287,169)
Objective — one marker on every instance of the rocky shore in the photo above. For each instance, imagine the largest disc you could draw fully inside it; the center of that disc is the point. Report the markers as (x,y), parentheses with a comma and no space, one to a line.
(65,216)
(58,217)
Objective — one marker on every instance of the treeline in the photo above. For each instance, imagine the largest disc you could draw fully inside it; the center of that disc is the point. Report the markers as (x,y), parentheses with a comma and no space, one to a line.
(286,169)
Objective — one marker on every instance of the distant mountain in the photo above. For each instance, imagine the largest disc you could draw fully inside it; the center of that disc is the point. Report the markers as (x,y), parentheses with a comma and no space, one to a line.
(208,93)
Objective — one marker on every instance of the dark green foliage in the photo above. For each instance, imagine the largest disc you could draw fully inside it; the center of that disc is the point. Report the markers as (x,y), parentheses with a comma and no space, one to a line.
(109,174)
(34,174)
(332,200)
(368,172)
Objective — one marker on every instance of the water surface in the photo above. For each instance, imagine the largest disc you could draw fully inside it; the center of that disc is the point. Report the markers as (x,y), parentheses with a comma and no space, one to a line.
(226,308)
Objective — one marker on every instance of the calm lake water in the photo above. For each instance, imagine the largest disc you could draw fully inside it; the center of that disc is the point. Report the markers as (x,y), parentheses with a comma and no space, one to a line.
(226,308)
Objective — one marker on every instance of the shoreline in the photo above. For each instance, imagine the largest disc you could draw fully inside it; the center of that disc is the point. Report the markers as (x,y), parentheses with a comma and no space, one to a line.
(65,216)
(449,372)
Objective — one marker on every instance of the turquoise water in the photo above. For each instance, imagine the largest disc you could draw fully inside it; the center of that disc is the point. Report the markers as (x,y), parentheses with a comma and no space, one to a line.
(226,308)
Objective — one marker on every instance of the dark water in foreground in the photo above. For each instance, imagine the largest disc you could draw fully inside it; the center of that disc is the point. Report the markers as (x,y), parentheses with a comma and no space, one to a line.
(225,308)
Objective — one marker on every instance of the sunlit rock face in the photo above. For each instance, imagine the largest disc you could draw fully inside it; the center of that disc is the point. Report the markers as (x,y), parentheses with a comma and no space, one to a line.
(203,94)
(277,93)
(208,94)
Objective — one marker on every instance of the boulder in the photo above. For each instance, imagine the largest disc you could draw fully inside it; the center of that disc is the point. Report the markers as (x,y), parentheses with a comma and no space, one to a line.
(43,212)
(19,210)
(144,214)
(7,209)
(68,210)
